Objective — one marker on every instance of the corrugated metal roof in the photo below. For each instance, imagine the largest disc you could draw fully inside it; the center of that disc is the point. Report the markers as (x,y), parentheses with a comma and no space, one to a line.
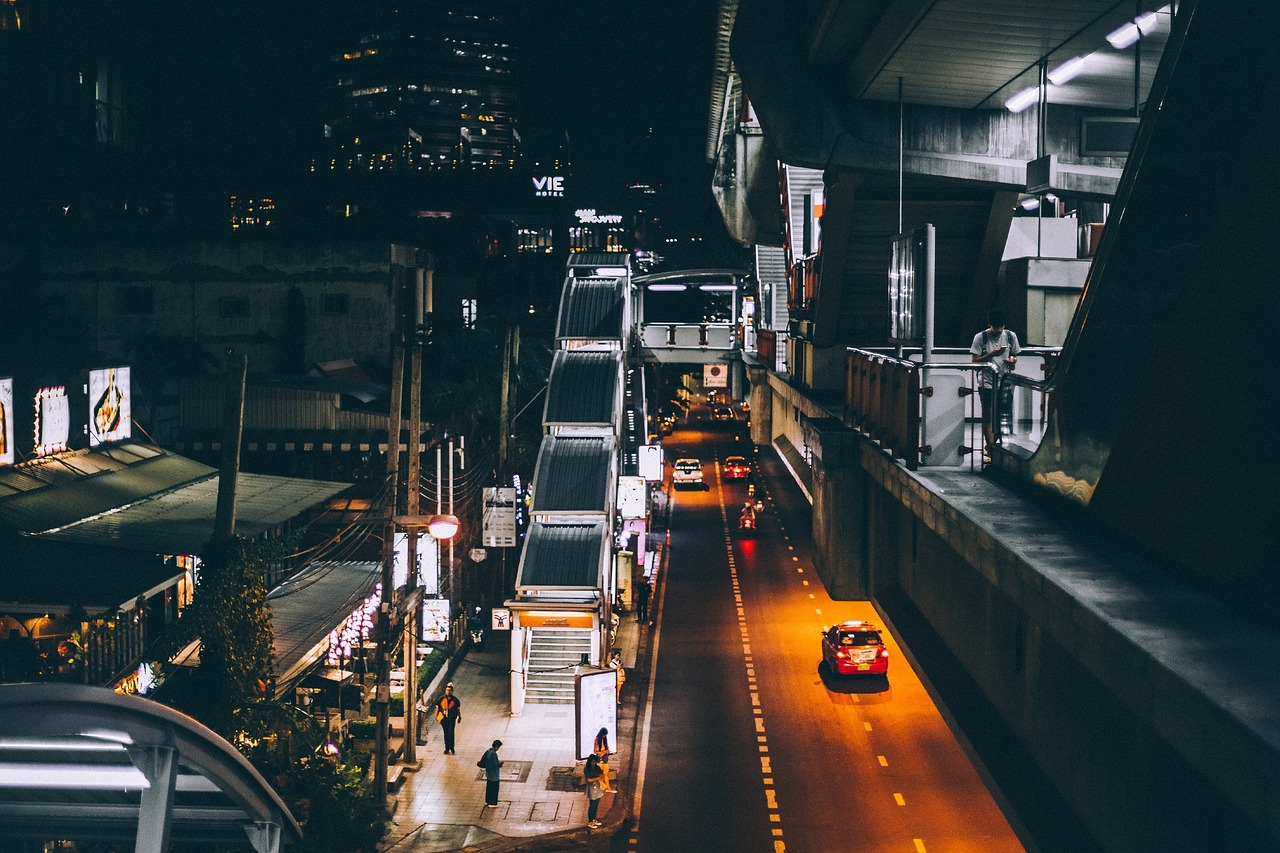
(583,388)
(307,607)
(180,521)
(573,474)
(592,309)
(66,495)
(564,555)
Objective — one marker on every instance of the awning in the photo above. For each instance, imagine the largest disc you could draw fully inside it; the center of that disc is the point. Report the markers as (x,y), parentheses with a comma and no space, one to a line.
(310,605)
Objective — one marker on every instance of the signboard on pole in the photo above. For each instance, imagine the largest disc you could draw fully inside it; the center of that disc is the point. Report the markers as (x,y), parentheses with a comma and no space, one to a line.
(499,517)
(715,376)
(651,462)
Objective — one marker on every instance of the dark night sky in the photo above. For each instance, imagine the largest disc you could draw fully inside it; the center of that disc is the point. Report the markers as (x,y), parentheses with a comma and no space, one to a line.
(630,82)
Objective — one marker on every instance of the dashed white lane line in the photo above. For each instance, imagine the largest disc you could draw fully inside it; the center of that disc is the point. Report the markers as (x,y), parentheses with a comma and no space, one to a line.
(884,762)
(919,842)
(766,769)
(899,799)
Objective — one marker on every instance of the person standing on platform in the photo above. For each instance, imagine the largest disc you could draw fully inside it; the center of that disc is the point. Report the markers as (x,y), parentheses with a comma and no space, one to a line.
(642,600)
(594,777)
(998,347)
(492,774)
(602,752)
(448,715)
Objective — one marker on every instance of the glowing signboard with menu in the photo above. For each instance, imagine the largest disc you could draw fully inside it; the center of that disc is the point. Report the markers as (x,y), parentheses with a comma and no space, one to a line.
(53,420)
(6,420)
(110,401)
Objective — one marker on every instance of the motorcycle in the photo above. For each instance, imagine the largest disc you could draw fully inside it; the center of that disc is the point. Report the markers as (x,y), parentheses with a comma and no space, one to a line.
(747,519)
(475,627)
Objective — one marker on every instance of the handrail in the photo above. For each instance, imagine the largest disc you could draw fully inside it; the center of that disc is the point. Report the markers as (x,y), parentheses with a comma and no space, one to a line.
(886,398)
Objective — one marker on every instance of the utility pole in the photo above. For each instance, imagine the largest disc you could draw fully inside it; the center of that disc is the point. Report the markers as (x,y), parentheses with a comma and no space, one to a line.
(420,331)
(224,525)
(382,699)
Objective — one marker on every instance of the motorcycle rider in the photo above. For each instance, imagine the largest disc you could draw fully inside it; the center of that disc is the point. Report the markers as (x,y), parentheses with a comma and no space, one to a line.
(475,625)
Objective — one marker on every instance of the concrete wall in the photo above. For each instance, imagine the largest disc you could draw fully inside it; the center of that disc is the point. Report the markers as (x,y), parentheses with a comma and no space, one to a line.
(1062,648)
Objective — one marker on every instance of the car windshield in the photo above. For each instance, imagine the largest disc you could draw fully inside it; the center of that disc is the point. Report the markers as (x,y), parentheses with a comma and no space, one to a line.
(735,460)
(860,638)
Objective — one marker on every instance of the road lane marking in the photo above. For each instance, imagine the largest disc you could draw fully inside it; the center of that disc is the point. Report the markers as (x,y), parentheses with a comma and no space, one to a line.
(806,583)
(884,762)
(898,798)
(867,726)
(771,797)
(759,724)
(919,845)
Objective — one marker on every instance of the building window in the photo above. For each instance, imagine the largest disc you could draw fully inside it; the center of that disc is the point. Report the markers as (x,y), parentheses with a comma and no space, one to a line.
(335,305)
(534,240)
(135,300)
(233,306)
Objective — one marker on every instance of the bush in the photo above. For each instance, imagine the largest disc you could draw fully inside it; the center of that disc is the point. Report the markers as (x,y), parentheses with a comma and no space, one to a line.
(363,729)
(396,705)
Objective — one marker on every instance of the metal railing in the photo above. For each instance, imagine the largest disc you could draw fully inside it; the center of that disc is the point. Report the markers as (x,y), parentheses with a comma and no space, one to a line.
(930,414)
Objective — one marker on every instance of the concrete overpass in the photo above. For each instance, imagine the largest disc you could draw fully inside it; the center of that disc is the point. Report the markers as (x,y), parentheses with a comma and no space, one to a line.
(1107,599)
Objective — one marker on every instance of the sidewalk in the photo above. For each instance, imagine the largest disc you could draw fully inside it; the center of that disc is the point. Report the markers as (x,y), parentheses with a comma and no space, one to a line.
(440,807)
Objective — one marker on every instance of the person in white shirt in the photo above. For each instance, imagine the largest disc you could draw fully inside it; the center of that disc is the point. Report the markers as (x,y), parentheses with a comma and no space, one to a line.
(997,346)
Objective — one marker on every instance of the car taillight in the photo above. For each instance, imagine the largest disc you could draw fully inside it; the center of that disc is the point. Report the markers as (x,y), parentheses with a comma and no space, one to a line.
(884,653)
(842,654)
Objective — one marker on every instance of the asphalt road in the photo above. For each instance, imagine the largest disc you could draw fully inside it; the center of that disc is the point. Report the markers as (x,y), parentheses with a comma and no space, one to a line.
(751,745)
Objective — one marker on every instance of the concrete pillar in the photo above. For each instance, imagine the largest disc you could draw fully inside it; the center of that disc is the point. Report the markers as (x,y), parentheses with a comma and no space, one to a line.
(839,509)
(518,666)
(761,399)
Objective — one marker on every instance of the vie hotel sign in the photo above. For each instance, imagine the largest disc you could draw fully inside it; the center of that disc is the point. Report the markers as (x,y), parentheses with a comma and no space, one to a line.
(551,186)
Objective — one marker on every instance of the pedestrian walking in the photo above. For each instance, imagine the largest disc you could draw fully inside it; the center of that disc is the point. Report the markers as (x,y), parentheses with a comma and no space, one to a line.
(602,752)
(594,777)
(448,715)
(492,770)
(642,600)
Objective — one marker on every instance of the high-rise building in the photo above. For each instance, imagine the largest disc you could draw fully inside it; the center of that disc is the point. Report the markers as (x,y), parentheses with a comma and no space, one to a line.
(419,87)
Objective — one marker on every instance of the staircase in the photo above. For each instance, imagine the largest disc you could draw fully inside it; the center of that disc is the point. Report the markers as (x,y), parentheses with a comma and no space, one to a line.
(553,654)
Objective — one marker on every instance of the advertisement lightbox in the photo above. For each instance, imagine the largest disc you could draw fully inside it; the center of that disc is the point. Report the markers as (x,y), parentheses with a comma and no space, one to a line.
(596,695)
(110,405)
(53,420)
(6,420)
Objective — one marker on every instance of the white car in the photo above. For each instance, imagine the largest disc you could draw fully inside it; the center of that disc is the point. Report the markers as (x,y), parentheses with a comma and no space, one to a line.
(687,472)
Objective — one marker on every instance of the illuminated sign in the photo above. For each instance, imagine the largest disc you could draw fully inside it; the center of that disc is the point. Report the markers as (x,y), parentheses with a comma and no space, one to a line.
(551,186)
(428,563)
(6,421)
(596,696)
(588,215)
(715,376)
(110,401)
(499,522)
(651,462)
(631,497)
(435,620)
(53,420)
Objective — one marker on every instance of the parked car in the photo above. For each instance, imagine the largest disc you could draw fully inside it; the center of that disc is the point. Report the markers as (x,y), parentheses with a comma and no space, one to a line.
(855,648)
(687,472)
(736,468)
(722,414)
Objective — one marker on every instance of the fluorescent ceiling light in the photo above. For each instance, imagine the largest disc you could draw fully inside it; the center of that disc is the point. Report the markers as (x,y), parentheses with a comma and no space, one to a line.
(1029,203)
(718,287)
(667,288)
(1144,24)
(74,744)
(1023,99)
(101,778)
(1068,70)
(611,272)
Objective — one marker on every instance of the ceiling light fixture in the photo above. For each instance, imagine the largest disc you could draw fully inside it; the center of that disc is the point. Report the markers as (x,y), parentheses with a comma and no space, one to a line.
(1144,24)
(1068,70)
(1023,99)
(1029,203)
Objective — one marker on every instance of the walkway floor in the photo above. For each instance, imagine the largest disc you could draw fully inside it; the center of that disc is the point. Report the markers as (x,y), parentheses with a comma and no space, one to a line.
(440,807)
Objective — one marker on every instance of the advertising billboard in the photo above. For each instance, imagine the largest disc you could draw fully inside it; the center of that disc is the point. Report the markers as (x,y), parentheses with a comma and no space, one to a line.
(596,692)
(110,405)
(435,620)
(6,420)
(53,420)
(499,517)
